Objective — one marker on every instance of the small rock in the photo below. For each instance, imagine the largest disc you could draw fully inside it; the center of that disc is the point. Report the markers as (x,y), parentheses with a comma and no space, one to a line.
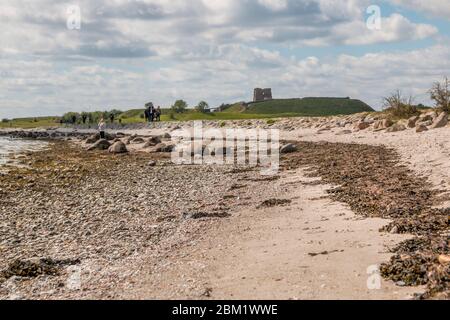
(289,148)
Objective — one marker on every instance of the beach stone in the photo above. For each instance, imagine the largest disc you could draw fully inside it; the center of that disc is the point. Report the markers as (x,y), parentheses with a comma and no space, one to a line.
(344,132)
(289,148)
(362,125)
(382,124)
(412,121)
(162,147)
(426,117)
(441,121)
(421,128)
(93,139)
(444,259)
(396,128)
(118,147)
(138,140)
(152,163)
(386,123)
(153,141)
(102,144)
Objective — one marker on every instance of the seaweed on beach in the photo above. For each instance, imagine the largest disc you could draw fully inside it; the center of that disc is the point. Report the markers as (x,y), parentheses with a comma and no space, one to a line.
(372,182)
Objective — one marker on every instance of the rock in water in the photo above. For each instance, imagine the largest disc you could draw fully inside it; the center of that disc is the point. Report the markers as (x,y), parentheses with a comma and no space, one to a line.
(118,147)
(289,148)
(441,121)
(102,144)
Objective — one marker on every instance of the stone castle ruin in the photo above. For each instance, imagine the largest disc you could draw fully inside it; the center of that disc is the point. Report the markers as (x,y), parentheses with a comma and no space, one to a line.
(262,94)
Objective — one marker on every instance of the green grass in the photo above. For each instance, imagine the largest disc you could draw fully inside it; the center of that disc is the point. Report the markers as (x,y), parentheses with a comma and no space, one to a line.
(28,123)
(279,108)
(314,107)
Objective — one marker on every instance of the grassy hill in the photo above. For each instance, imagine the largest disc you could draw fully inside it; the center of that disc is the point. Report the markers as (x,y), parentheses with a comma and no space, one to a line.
(309,107)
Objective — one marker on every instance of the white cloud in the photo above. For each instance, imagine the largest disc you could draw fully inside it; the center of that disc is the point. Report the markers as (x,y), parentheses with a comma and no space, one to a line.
(439,8)
(130,51)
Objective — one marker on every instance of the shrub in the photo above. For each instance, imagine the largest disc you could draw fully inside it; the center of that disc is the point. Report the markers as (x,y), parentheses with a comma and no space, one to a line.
(179,106)
(440,93)
(271,122)
(202,106)
(5,120)
(399,106)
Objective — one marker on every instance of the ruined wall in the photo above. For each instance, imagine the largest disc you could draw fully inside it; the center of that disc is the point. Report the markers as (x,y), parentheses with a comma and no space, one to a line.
(262,94)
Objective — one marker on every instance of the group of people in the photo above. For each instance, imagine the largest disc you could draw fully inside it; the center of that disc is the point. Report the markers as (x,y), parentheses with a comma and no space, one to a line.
(151,113)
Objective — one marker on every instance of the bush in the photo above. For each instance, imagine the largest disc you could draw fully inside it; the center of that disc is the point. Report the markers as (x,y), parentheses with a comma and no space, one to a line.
(5,120)
(440,93)
(271,122)
(180,106)
(399,106)
(202,106)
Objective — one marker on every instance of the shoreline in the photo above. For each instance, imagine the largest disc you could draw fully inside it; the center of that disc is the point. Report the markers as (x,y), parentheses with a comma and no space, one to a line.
(161,227)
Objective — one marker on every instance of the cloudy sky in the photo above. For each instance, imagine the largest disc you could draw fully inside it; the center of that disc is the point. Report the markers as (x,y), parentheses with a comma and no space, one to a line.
(129,52)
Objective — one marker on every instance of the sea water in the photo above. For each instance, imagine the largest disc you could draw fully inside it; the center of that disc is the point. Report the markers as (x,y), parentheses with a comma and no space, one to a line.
(10,148)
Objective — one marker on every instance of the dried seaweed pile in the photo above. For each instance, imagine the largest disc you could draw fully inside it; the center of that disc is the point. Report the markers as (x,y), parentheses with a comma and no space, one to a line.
(371,181)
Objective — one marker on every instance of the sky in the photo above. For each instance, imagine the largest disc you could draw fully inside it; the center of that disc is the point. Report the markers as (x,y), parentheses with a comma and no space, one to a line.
(58,56)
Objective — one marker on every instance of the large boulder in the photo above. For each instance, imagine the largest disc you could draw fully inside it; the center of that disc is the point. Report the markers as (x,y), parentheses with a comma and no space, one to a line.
(440,121)
(101,144)
(396,128)
(118,147)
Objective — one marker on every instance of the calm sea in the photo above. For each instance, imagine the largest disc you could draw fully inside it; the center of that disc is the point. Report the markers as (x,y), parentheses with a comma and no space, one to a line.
(9,148)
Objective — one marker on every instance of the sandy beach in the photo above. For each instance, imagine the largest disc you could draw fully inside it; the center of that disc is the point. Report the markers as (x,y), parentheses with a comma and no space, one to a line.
(135,225)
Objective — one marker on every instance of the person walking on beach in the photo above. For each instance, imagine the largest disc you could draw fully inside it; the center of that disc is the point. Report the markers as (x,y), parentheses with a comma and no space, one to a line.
(111,117)
(101,128)
(158,114)
(151,113)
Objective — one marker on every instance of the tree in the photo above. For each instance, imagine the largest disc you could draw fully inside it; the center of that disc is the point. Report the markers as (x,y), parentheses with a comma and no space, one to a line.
(180,106)
(202,106)
(440,93)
